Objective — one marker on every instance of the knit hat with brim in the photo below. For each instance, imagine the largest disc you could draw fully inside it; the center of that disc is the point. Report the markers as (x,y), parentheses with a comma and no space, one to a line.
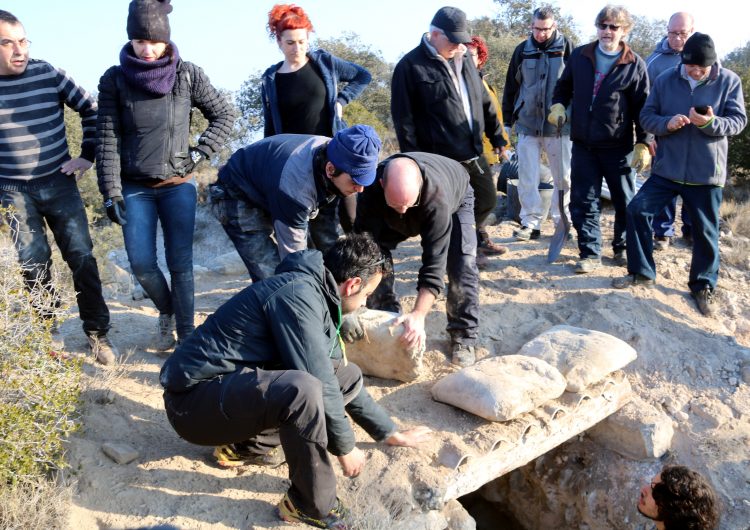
(147,20)
(699,50)
(355,151)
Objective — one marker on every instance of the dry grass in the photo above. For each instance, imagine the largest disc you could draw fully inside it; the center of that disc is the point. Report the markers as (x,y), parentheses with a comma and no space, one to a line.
(37,504)
(736,216)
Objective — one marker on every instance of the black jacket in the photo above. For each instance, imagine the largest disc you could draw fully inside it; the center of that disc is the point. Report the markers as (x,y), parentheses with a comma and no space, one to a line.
(282,323)
(608,120)
(143,137)
(428,113)
(445,186)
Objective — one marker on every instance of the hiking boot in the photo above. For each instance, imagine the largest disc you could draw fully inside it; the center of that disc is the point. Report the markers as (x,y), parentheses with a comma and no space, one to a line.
(104,351)
(525,233)
(705,300)
(486,246)
(165,333)
(661,242)
(462,355)
(333,521)
(620,258)
(587,265)
(234,455)
(631,280)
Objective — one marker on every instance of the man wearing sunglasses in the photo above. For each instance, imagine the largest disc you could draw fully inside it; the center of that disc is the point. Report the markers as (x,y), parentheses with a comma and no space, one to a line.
(427,195)
(268,368)
(666,56)
(605,84)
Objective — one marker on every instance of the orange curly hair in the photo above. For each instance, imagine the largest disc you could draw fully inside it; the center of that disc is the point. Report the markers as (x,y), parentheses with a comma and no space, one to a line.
(287,16)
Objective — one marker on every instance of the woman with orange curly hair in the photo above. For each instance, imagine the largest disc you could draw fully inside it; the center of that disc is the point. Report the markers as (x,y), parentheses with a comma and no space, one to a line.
(306,94)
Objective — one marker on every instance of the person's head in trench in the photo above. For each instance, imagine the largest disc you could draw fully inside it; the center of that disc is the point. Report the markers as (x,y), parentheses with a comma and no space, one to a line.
(678,498)
(357,264)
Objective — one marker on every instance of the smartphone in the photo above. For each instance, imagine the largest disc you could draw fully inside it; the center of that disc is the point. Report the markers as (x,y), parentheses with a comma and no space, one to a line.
(701,109)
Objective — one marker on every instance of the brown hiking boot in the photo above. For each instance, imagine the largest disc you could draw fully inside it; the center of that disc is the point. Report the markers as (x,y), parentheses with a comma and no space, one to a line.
(333,521)
(104,351)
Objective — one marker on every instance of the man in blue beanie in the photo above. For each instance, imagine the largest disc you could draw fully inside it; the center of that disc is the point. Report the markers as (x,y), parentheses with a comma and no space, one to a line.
(277,185)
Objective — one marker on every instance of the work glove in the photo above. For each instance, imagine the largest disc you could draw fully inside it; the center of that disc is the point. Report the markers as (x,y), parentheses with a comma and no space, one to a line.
(351,327)
(557,115)
(116,210)
(641,158)
(195,157)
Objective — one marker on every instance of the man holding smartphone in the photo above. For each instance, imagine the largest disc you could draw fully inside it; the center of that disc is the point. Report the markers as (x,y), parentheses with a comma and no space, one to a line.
(691,110)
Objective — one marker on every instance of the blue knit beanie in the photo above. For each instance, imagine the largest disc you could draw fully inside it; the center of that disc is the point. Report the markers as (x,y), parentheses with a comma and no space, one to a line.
(355,151)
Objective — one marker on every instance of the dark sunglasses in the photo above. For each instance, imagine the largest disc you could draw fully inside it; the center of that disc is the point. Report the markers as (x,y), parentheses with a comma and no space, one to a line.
(613,27)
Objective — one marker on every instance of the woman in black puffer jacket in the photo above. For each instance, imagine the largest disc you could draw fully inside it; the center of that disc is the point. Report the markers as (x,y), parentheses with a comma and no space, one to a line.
(144,161)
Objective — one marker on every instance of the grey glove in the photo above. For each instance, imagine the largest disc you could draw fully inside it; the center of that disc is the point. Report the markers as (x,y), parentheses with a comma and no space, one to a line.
(351,327)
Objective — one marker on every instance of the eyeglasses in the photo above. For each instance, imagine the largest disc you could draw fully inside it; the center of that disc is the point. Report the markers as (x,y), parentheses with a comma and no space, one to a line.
(613,27)
(9,43)
(542,30)
(681,34)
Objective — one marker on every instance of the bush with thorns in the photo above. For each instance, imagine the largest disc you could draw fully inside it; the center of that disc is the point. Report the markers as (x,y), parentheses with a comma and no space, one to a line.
(39,389)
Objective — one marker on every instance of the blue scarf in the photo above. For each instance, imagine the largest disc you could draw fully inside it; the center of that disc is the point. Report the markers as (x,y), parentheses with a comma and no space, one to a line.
(155,77)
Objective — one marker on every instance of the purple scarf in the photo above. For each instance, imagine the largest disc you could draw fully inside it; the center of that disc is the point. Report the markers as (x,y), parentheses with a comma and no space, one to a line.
(155,77)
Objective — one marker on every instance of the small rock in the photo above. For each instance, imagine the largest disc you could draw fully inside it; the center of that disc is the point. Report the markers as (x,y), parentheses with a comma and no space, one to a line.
(681,416)
(745,373)
(733,381)
(120,452)
(713,411)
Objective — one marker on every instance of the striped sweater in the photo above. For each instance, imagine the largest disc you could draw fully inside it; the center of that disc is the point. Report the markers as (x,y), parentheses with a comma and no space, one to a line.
(32,126)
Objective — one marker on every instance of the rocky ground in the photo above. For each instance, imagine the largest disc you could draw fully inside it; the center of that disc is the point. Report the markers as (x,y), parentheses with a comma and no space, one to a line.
(695,369)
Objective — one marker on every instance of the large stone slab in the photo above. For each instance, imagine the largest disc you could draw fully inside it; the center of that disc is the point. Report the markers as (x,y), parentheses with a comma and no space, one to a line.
(380,353)
(583,356)
(638,431)
(501,388)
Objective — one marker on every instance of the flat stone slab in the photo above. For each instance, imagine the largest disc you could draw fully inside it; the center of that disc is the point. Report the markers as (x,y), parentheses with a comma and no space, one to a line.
(120,452)
(583,356)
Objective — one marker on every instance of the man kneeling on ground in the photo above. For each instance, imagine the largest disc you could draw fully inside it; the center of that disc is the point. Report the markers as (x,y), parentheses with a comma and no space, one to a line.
(268,368)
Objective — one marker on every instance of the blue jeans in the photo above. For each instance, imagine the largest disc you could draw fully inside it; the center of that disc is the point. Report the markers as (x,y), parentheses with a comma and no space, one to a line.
(61,207)
(702,203)
(664,221)
(174,207)
(588,166)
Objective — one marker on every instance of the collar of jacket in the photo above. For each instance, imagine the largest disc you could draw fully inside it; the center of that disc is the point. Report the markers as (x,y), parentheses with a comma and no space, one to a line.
(432,52)
(712,74)
(627,56)
(663,48)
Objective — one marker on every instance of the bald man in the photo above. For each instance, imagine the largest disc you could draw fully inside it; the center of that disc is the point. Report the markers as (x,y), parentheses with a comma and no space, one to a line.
(427,195)
(666,56)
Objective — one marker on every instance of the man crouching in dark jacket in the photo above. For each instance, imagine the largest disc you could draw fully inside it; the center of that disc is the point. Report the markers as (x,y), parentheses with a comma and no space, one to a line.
(267,368)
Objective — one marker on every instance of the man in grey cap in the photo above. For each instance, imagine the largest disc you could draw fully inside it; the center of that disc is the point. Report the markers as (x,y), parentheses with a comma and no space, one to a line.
(440,106)
(276,185)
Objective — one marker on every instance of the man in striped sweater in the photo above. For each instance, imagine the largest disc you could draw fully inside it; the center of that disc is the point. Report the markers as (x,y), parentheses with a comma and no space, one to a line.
(38,176)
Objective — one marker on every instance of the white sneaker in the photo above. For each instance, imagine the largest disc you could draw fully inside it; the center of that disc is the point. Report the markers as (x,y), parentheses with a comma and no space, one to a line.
(165,333)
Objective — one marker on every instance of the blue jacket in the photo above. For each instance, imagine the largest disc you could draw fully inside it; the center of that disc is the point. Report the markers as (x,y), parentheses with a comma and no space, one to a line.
(334,71)
(277,175)
(609,119)
(694,155)
(281,323)
(661,59)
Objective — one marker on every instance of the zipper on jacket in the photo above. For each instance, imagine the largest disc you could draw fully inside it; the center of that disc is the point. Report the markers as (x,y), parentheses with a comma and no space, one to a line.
(170,133)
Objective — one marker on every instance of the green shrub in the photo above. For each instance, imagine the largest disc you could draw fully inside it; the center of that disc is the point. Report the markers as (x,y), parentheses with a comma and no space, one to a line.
(38,390)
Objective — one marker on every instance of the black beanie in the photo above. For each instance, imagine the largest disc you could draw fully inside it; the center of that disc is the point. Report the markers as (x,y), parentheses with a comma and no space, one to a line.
(147,20)
(699,50)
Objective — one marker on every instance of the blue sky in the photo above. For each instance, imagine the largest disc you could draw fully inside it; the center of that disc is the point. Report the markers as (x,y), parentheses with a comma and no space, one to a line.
(227,38)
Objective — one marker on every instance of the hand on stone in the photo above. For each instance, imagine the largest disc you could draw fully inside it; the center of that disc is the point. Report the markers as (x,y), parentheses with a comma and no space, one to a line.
(414,336)
(352,463)
(409,437)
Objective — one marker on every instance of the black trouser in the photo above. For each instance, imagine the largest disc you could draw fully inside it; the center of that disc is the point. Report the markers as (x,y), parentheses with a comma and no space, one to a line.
(462,304)
(485,190)
(268,407)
